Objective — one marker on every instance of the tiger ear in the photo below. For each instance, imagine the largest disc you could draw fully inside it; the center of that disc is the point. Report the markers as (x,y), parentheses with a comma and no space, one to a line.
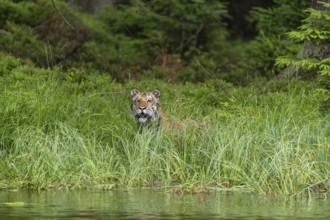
(156,93)
(134,92)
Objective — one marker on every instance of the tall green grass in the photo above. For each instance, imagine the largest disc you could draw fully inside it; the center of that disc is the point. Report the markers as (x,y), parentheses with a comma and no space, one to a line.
(57,133)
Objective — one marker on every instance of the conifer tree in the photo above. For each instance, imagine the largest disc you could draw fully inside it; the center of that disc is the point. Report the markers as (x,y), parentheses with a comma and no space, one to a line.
(315,36)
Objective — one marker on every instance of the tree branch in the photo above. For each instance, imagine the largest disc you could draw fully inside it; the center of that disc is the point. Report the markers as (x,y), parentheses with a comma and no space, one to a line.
(58,11)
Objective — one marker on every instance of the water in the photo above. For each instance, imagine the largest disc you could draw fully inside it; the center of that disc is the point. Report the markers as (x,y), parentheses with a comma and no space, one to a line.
(136,204)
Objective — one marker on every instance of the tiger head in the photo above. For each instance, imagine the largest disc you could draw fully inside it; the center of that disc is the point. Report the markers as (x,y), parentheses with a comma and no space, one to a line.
(145,106)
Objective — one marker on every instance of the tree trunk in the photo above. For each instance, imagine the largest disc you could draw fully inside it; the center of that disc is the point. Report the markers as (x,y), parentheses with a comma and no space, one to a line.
(309,49)
(317,6)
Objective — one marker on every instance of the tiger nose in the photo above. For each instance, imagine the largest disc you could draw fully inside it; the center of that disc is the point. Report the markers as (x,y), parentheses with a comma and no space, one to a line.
(142,108)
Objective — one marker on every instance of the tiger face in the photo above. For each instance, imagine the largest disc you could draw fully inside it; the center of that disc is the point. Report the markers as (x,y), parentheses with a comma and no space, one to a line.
(145,107)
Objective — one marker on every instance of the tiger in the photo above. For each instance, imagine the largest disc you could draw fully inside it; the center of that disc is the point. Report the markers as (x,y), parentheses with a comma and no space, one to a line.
(145,108)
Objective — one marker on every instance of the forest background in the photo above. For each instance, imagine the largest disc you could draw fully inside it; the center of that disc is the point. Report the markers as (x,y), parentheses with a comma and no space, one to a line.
(238,41)
(254,74)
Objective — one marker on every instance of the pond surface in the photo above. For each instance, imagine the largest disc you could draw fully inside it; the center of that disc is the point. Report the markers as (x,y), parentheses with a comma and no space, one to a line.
(137,204)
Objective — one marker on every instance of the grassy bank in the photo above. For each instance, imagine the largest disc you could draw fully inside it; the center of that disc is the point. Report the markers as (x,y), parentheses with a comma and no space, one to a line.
(70,130)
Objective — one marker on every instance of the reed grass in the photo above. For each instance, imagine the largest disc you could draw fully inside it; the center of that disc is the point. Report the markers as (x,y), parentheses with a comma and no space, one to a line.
(58,134)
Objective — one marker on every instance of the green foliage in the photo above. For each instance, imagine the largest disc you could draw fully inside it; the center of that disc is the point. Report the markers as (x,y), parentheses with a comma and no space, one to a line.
(257,57)
(314,31)
(315,65)
(178,26)
(20,41)
(315,28)
(313,58)
(168,34)
(280,18)
(241,61)
(7,64)
(188,28)
(72,130)
(33,30)
(180,40)
(24,12)
(124,39)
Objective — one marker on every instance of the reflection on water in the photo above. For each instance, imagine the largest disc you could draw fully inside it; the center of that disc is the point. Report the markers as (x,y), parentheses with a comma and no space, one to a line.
(146,204)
